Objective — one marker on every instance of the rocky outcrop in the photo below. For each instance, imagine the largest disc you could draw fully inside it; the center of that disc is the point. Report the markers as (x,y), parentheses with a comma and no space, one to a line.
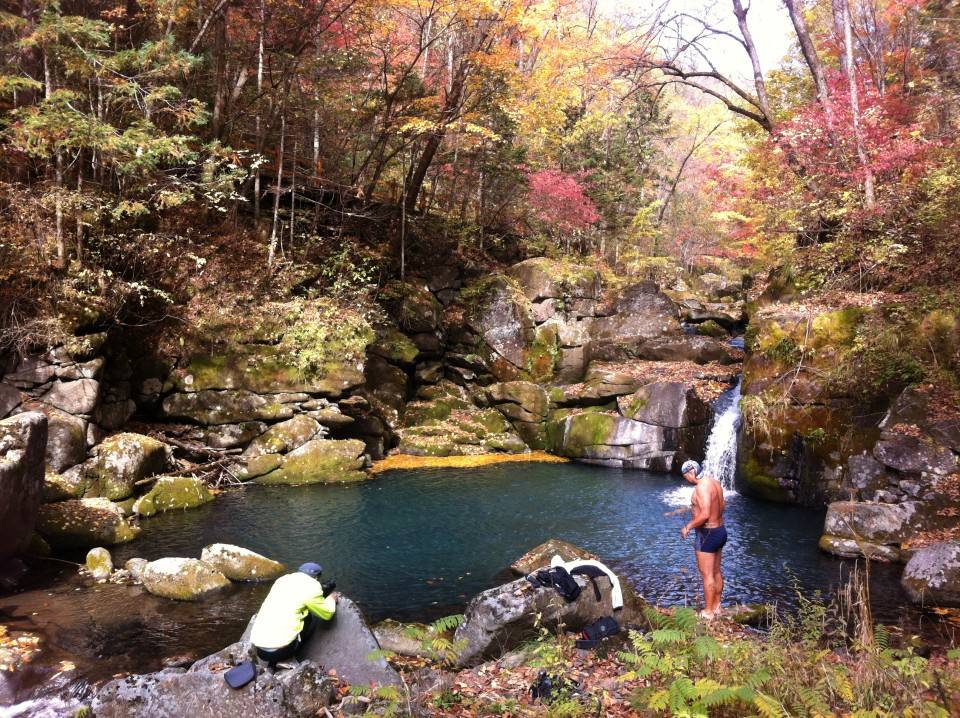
(658,427)
(640,313)
(183,579)
(99,563)
(201,692)
(170,493)
(240,564)
(345,644)
(83,523)
(22,444)
(124,459)
(317,461)
(797,432)
(932,575)
(866,529)
(504,616)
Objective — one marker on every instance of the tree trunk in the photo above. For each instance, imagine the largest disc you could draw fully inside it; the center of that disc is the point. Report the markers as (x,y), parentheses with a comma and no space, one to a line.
(809,51)
(276,198)
(258,122)
(868,189)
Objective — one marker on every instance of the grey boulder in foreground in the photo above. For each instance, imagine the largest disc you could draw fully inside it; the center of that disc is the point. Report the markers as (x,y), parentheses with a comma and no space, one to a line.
(932,575)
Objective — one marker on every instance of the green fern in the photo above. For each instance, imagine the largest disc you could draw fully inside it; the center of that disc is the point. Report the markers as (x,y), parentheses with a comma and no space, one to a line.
(706,647)
(768,706)
(447,623)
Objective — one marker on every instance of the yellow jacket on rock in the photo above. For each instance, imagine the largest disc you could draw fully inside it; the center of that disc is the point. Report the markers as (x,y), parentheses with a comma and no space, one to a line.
(281,617)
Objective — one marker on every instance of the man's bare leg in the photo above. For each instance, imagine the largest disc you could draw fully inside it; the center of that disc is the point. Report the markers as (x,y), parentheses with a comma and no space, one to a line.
(717,581)
(705,562)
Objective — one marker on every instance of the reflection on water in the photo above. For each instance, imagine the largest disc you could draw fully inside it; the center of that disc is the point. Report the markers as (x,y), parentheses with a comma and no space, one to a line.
(418,544)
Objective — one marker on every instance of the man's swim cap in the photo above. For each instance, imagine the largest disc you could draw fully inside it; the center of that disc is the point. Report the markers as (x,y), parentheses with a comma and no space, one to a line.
(311,569)
(690,466)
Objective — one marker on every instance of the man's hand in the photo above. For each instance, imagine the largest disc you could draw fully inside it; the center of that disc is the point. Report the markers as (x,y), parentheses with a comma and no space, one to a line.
(335,595)
(685,531)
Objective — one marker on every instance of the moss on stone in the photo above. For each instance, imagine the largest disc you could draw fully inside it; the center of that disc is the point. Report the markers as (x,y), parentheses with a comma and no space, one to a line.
(710,328)
(761,484)
(395,346)
(169,493)
(320,461)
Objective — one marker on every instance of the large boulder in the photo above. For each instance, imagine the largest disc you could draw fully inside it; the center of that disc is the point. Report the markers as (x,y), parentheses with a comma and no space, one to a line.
(183,579)
(303,691)
(665,403)
(66,439)
(84,523)
(318,461)
(285,436)
(878,523)
(500,314)
(932,575)
(241,564)
(641,312)
(225,407)
(502,617)
(540,556)
(542,278)
(170,493)
(23,440)
(412,305)
(519,400)
(10,399)
(913,454)
(345,644)
(685,347)
(124,459)
(74,397)
(612,440)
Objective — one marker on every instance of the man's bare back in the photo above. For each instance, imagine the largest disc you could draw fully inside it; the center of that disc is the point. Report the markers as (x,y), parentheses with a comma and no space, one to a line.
(708,497)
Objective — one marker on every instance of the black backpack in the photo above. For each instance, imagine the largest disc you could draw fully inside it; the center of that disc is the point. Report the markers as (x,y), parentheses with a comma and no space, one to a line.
(560,579)
(597,631)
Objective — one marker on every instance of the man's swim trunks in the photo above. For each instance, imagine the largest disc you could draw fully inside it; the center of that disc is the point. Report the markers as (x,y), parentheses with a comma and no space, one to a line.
(710,540)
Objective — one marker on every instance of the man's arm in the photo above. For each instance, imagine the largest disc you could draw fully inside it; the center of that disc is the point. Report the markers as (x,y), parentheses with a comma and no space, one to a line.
(322,607)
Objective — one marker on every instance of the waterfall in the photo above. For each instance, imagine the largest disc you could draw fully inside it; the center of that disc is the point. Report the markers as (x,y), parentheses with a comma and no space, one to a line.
(721,459)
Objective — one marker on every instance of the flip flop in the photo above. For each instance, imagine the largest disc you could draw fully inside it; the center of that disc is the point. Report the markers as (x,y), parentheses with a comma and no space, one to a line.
(240,675)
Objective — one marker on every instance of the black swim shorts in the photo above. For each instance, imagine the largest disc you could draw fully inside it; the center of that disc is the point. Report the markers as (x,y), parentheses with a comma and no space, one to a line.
(710,540)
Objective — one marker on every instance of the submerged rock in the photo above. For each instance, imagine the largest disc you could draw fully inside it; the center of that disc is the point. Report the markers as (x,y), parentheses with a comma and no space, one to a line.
(123,460)
(183,579)
(173,492)
(82,523)
(932,575)
(241,564)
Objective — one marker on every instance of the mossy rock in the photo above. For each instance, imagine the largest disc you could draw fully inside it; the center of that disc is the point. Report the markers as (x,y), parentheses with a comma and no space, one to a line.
(173,492)
(71,484)
(320,461)
(758,482)
(534,434)
(857,548)
(396,347)
(124,459)
(418,413)
(99,563)
(83,523)
(413,306)
(284,437)
(491,420)
(224,407)
(710,328)
(506,443)
(259,465)
(241,564)
(540,556)
(183,579)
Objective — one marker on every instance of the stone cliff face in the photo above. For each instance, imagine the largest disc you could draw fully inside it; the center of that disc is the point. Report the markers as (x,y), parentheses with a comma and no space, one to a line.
(23,441)
(539,356)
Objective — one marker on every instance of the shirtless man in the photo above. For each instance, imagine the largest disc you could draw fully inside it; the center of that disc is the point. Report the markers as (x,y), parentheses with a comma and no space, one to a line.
(707,507)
